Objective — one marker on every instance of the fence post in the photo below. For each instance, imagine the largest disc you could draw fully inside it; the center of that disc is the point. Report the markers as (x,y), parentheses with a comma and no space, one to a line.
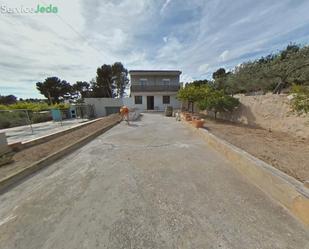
(29,121)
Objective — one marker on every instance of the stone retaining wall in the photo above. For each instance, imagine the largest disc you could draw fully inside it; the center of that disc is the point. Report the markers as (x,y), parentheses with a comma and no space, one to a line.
(271,112)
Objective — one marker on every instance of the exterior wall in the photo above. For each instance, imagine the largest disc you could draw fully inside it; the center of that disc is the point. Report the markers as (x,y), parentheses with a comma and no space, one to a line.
(158,101)
(101,103)
(268,111)
(154,79)
(154,86)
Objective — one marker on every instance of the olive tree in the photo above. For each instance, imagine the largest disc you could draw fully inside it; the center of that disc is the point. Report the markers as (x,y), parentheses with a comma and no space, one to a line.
(193,93)
(217,101)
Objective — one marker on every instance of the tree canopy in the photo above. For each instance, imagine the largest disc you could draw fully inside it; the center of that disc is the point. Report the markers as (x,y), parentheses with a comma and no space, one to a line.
(273,72)
(120,79)
(7,99)
(110,81)
(207,97)
(193,93)
(53,88)
(81,88)
(217,101)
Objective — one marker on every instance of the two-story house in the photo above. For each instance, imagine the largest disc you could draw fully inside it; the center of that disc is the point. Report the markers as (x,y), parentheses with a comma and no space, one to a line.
(155,89)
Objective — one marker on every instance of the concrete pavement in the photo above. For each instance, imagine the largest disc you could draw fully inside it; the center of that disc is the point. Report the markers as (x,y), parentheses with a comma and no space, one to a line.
(24,133)
(154,184)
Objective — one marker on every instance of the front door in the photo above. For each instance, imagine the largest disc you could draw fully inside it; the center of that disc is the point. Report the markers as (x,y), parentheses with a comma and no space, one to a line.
(150,102)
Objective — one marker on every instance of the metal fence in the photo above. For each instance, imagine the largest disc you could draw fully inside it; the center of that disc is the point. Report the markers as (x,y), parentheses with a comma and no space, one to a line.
(24,118)
(13,118)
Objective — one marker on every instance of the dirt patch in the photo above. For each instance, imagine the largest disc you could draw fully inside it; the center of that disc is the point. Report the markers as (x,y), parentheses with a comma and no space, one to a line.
(283,151)
(33,154)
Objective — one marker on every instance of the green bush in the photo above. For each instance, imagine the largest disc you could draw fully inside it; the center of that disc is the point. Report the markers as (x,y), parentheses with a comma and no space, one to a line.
(193,93)
(12,115)
(29,106)
(4,107)
(4,123)
(33,106)
(40,117)
(217,101)
(59,106)
(300,101)
(11,119)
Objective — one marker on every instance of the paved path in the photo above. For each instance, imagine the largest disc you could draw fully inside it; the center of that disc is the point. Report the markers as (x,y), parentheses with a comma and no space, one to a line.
(24,133)
(154,184)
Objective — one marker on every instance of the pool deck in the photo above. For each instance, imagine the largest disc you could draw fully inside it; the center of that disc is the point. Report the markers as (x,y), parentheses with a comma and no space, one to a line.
(24,133)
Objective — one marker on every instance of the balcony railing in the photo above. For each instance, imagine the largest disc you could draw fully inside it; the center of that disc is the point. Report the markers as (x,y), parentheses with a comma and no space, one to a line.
(155,88)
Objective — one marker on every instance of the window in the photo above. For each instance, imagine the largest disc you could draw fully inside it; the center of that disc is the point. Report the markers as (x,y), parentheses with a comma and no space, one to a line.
(138,100)
(166,99)
(166,81)
(143,81)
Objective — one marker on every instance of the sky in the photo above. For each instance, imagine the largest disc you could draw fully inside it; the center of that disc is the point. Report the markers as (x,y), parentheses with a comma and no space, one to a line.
(194,36)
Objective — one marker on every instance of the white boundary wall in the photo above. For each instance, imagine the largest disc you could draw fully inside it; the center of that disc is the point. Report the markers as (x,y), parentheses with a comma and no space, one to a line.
(100,104)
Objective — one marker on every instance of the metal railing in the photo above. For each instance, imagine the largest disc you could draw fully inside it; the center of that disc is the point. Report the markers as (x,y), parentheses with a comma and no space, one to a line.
(155,88)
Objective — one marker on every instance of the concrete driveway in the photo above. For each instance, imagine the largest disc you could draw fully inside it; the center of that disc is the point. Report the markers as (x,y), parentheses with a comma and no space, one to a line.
(154,184)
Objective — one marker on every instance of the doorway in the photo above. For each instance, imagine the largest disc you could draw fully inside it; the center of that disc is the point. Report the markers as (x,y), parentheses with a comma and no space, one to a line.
(150,102)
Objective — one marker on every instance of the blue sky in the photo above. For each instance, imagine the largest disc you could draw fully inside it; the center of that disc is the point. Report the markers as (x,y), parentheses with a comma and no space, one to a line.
(196,37)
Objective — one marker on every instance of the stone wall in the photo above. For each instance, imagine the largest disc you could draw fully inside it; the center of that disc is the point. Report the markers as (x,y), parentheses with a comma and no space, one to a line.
(269,111)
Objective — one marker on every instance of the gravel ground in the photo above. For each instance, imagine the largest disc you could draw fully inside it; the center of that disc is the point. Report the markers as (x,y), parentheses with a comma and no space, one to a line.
(286,153)
(28,156)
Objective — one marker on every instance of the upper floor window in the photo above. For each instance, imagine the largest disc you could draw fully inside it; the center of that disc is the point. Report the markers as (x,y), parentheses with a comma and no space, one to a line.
(166,81)
(143,81)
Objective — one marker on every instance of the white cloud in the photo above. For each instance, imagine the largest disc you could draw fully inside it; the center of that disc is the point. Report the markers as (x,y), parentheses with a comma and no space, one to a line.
(164,6)
(224,55)
(170,49)
(196,37)
(203,68)
(185,78)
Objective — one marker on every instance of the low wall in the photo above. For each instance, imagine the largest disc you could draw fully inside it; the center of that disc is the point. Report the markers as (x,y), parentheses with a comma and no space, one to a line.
(289,192)
(6,153)
(271,112)
(3,143)
(100,104)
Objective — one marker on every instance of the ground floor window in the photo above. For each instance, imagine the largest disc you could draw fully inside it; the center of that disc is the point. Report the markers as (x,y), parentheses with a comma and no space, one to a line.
(166,99)
(138,100)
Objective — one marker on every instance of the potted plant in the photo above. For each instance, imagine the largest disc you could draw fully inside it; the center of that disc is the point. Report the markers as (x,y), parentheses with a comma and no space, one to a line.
(198,123)
(188,117)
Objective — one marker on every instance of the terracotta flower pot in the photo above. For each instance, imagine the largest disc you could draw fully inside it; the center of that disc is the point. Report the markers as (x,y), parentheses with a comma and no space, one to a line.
(198,123)
(188,117)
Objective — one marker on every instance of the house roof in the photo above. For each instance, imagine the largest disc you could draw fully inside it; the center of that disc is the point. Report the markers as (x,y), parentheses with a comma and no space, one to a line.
(154,72)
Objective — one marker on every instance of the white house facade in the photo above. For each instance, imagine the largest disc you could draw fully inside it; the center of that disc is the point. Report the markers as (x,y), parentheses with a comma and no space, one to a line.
(154,89)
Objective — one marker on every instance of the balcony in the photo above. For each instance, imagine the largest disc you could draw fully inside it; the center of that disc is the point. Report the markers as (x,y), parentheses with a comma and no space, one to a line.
(154,88)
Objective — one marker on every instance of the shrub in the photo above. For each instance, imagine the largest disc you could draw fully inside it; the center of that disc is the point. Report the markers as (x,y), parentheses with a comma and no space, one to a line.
(40,117)
(217,101)
(12,118)
(4,123)
(193,93)
(300,101)
(59,106)
(12,115)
